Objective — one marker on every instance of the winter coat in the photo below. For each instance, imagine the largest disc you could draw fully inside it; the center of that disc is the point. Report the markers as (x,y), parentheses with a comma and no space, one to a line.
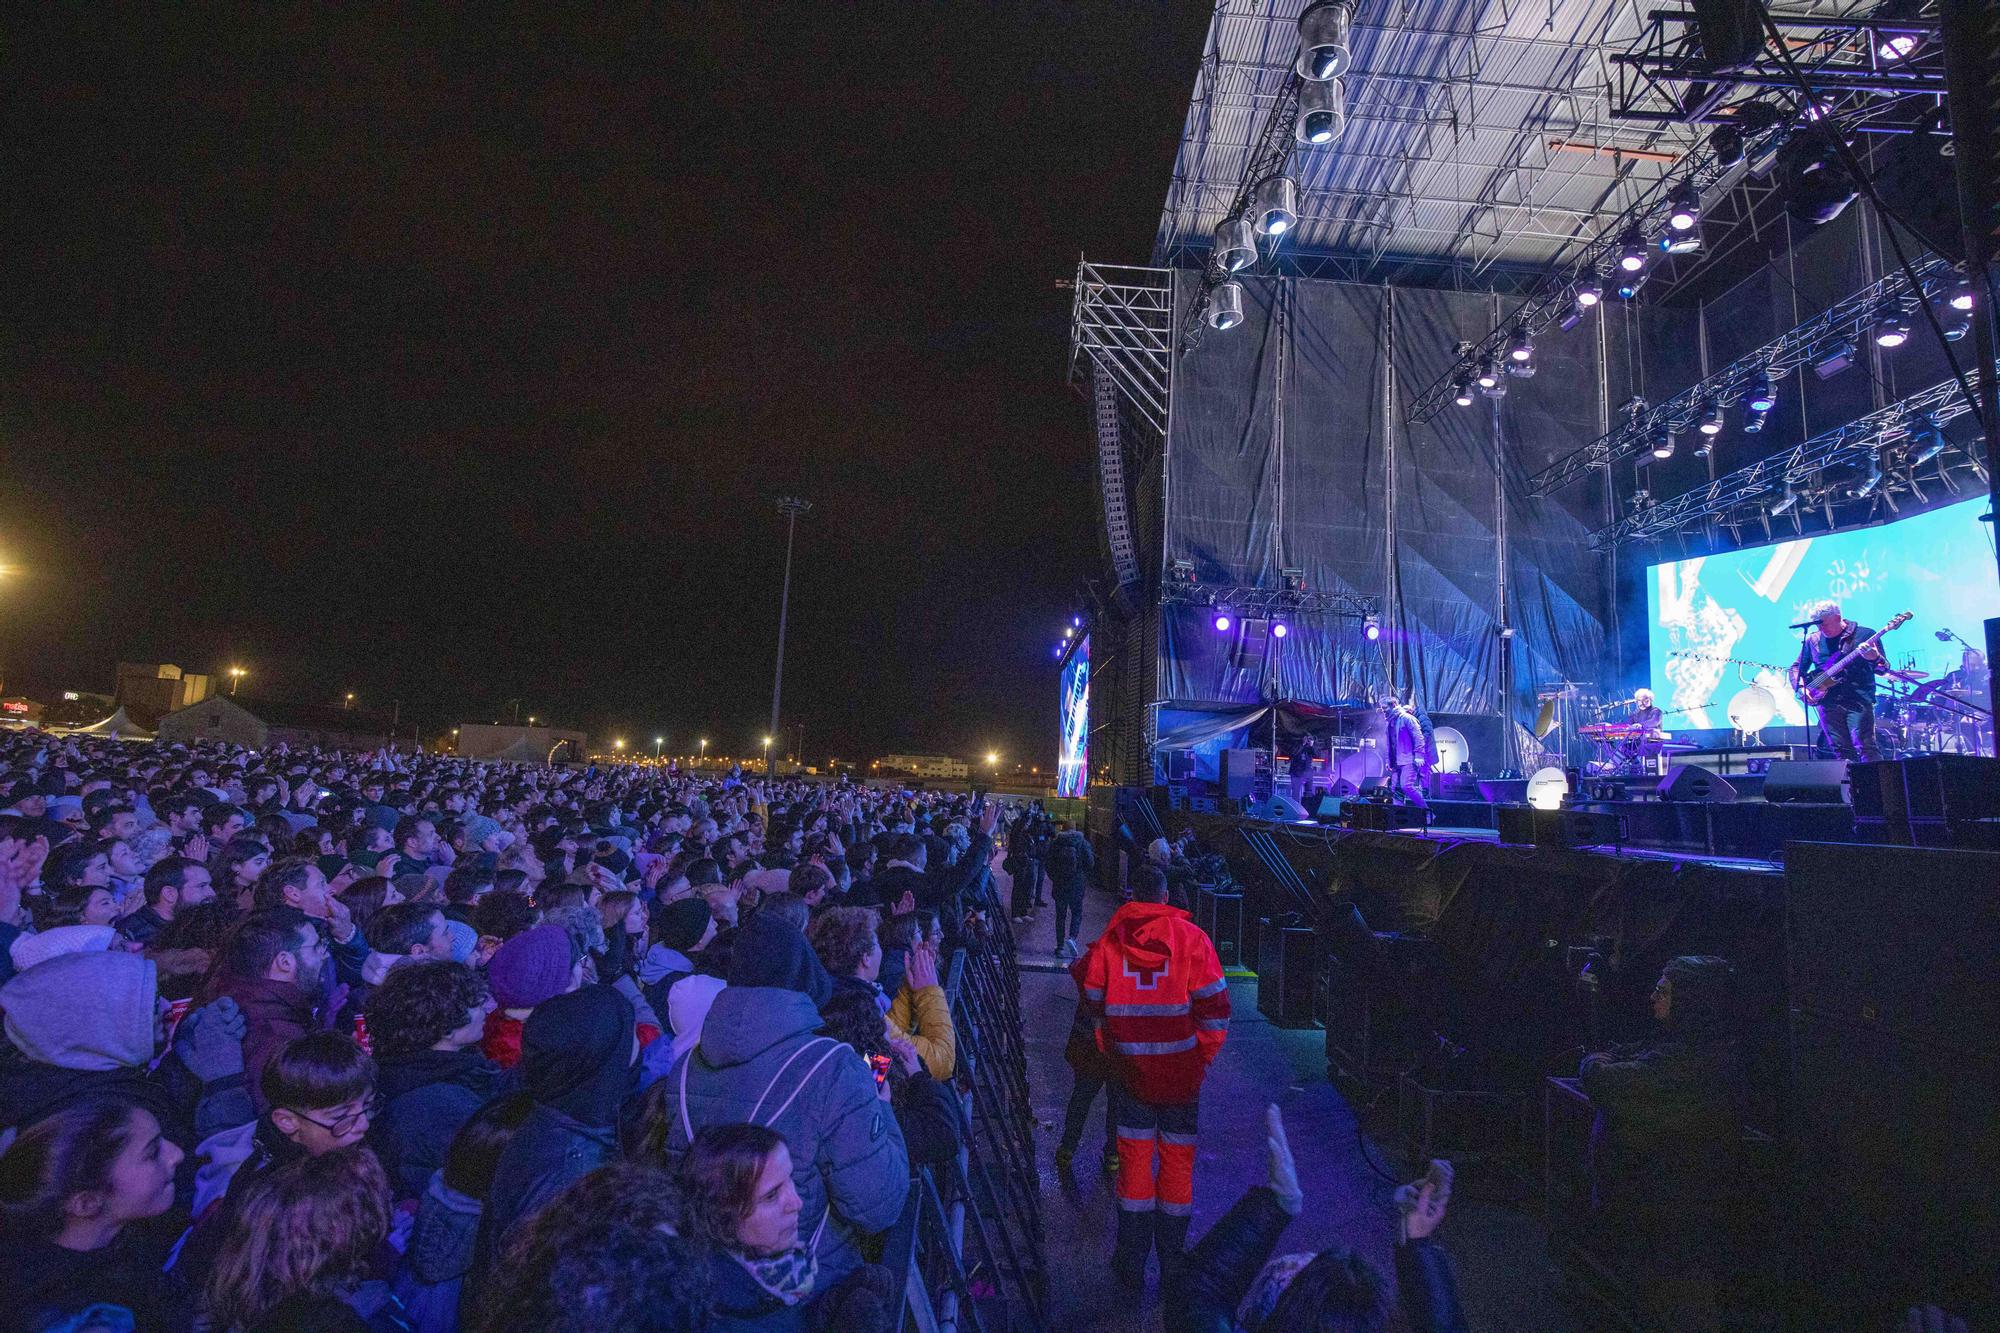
(427,1096)
(760,1060)
(1070,862)
(1219,1271)
(923,1018)
(932,1120)
(41,1282)
(275,1014)
(363,1307)
(1154,985)
(440,1253)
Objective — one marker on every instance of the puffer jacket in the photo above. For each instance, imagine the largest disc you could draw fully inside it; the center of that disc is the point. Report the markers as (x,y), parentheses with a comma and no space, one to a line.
(761,1061)
(439,1256)
(923,1018)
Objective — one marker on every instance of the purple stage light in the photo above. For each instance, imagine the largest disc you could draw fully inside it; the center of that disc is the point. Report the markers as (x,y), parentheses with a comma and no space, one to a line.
(1371,629)
(1278,629)
(1222,622)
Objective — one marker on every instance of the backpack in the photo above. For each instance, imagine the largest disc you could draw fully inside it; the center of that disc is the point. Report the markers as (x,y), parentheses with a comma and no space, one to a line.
(1063,863)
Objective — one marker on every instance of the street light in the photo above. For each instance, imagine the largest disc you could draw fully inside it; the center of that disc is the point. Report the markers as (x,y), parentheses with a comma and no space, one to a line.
(531,719)
(236,675)
(704,749)
(618,744)
(767,754)
(992,758)
(350,698)
(658,741)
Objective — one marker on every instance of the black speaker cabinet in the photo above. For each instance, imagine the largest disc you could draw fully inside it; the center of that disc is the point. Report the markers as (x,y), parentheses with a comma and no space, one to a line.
(1180,765)
(1558,829)
(1692,782)
(1287,961)
(1807,781)
(1219,912)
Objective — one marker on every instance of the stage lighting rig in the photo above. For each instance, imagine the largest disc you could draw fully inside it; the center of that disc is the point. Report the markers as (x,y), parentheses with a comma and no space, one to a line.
(1225,307)
(1235,245)
(1663,443)
(1371,628)
(1711,418)
(1325,47)
(1322,113)
(1894,45)
(1489,373)
(1632,251)
(1278,629)
(1521,347)
(1275,207)
(1892,325)
(1590,291)
(1684,207)
(1753,422)
(1223,622)
(1462,389)
(1926,440)
(1761,397)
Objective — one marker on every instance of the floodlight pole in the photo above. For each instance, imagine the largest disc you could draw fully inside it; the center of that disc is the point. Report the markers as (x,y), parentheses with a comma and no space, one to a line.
(791,506)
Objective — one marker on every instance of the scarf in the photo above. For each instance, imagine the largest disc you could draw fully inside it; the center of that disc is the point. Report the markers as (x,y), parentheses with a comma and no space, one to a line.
(789,1276)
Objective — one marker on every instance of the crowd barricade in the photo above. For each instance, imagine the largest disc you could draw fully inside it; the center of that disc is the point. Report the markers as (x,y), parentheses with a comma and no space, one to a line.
(969,1247)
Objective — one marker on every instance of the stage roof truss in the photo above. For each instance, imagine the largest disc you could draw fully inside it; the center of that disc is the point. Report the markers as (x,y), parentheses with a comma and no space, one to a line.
(1122,323)
(1880,438)
(1246,601)
(1846,322)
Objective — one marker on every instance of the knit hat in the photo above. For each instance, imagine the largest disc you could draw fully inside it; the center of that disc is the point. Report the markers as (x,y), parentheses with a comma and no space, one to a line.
(464,939)
(478,828)
(680,924)
(532,967)
(767,952)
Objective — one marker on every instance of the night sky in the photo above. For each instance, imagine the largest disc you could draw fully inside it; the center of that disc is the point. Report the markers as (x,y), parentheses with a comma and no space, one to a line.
(456,361)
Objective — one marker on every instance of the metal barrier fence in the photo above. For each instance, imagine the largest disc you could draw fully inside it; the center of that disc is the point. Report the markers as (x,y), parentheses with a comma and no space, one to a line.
(969,1248)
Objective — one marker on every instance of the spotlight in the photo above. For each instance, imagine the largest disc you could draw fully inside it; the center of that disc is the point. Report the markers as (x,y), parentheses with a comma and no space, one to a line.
(1463,390)
(1371,629)
(1279,629)
(1834,360)
(1753,422)
(1521,347)
(1663,442)
(1703,446)
(1894,44)
(1275,207)
(1629,285)
(1818,187)
(1323,40)
(1322,112)
(1728,142)
(1235,245)
(1076,621)
(1711,418)
(1926,440)
(1761,398)
(1680,243)
(1684,206)
(1222,622)
(1589,292)
(1892,325)
(1489,373)
(1632,251)
(1225,306)
(1898,45)
(1785,505)
(1962,298)
(1873,481)
(1069,632)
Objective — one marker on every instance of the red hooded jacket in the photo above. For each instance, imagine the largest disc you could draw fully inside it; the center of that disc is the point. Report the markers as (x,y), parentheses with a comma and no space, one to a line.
(1154,984)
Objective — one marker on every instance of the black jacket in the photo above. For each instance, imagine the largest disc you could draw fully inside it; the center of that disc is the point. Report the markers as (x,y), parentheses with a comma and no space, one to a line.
(930,1116)
(1219,1271)
(427,1097)
(41,1283)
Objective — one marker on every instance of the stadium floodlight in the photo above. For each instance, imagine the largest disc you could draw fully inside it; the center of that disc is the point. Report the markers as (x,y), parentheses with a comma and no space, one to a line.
(1225,306)
(1325,50)
(1235,245)
(1275,206)
(1322,113)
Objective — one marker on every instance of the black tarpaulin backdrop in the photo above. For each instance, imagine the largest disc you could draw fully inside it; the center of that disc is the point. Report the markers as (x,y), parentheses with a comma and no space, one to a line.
(1279,457)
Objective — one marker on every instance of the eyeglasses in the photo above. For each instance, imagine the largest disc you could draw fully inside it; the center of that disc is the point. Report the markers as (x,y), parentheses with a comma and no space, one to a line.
(345,1125)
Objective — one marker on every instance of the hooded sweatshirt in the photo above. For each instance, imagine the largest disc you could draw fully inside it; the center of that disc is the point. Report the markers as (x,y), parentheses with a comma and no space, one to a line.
(1154,982)
(84,1011)
(761,1060)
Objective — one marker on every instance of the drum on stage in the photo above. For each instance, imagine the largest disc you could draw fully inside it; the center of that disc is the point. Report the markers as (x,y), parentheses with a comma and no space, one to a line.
(1752,708)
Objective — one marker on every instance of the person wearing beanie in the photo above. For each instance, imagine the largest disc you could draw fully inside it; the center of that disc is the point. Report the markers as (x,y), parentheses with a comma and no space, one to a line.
(680,929)
(534,967)
(578,1062)
(483,834)
(762,1059)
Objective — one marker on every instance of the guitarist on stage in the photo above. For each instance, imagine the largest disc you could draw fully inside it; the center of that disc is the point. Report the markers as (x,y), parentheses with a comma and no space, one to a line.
(1847,713)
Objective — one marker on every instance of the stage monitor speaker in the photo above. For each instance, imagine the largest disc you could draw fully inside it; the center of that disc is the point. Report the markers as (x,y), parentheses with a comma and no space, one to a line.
(1328,809)
(1180,765)
(1806,781)
(1280,809)
(1692,782)
(1557,830)
(1503,791)
(1287,967)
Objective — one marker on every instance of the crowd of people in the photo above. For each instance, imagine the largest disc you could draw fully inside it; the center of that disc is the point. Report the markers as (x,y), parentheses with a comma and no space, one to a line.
(309,1040)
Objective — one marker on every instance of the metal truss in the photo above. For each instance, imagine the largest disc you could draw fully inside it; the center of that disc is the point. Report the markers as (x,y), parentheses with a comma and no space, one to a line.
(1111,482)
(1833,473)
(1274,145)
(1665,78)
(1122,321)
(1846,323)
(1554,295)
(1248,601)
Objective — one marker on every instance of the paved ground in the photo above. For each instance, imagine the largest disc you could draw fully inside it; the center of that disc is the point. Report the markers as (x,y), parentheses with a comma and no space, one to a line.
(1498,1249)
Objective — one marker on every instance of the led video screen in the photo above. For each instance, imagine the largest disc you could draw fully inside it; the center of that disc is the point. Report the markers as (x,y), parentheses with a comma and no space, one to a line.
(1720,623)
(1073,756)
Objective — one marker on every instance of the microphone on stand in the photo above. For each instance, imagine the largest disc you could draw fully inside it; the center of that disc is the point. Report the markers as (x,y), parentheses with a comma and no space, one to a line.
(1803,624)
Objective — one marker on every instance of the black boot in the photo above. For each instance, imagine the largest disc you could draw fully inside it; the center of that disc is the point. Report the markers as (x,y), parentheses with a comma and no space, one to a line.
(1170,1238)
(1135,1242)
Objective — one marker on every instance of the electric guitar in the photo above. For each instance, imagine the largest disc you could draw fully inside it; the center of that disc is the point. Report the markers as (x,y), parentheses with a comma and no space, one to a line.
(1816,689)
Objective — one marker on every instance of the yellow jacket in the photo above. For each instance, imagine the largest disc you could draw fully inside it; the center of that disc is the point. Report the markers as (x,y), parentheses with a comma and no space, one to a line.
(931,1031)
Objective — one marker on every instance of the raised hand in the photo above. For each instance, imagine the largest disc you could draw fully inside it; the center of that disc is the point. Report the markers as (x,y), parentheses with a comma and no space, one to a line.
(1282,1171)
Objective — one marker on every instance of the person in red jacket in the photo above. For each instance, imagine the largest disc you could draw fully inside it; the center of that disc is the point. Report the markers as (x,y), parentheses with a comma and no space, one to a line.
(1155,988)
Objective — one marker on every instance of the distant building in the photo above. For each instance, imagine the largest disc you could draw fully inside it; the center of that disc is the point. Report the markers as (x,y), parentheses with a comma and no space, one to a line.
(532,745)
(261,724)
(149,691)
(19,708)
(926,765)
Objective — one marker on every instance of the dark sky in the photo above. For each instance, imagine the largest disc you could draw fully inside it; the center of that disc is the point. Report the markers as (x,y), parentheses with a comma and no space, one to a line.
(456,361)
